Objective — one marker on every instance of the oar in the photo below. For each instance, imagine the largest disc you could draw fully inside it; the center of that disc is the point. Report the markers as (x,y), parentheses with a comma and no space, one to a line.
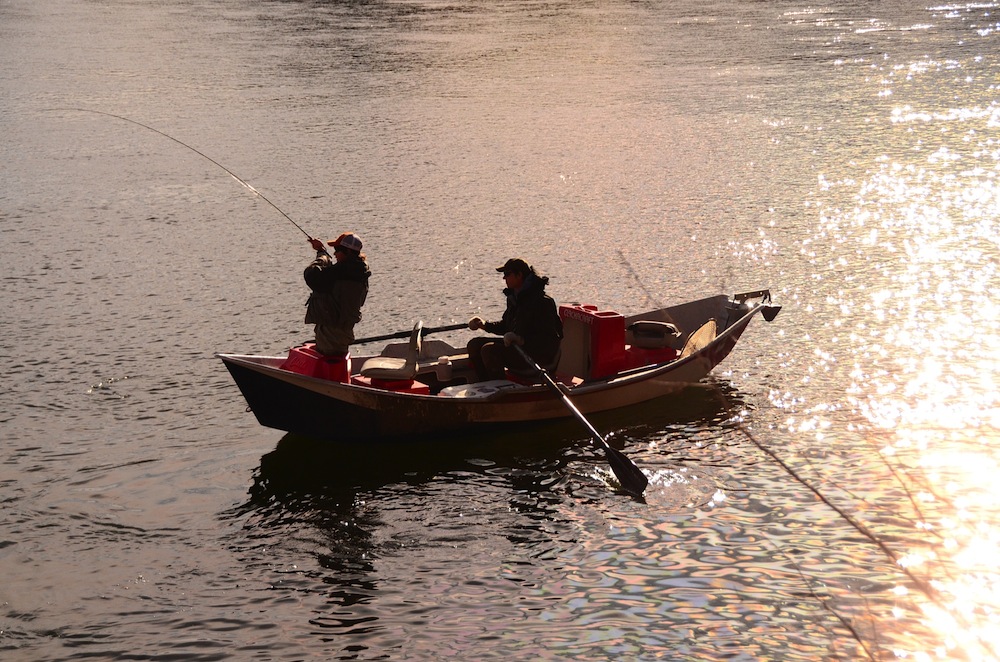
(406,334)
(630,476)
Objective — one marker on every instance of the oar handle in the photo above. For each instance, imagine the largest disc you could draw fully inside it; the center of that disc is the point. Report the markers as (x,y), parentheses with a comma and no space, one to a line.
(406,334)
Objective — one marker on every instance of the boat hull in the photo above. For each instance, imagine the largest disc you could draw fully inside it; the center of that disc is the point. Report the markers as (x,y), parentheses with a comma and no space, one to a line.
(353,412)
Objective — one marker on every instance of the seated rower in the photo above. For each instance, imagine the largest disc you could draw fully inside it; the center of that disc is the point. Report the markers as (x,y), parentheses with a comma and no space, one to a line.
(530,320)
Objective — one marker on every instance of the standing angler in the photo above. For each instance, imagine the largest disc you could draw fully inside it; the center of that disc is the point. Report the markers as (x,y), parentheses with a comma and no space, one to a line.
(339,288)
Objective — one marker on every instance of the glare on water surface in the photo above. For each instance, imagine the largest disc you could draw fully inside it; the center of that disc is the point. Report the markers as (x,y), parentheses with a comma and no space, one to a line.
(907,253)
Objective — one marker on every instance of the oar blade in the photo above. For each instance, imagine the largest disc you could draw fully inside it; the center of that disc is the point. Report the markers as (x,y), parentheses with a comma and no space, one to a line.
(631,477)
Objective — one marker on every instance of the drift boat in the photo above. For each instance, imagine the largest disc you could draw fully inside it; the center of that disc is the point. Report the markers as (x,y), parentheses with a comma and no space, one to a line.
(423,387)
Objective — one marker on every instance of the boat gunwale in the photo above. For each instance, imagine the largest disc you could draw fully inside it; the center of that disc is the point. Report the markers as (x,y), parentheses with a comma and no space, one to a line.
(621,379)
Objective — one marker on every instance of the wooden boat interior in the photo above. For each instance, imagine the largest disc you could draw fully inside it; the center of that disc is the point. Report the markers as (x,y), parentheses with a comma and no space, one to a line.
(597,344)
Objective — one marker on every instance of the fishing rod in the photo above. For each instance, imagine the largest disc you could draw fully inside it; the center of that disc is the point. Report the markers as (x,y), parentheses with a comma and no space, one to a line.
(203,155)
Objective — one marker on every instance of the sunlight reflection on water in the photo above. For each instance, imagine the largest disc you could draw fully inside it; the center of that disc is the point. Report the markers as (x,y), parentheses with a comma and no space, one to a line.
(926,350)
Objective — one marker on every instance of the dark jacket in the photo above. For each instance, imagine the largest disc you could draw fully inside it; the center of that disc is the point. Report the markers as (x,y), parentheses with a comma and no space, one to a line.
(532,314)
(339,290)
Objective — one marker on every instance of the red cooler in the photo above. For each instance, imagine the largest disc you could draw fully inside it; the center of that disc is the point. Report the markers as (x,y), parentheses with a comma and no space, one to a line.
(305,360)
(594,342)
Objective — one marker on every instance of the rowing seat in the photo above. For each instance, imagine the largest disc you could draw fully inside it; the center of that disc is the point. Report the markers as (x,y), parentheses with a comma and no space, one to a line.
(527,375)
(391,368)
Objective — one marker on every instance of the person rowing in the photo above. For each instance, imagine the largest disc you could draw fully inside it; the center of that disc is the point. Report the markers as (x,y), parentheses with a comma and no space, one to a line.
(531,321)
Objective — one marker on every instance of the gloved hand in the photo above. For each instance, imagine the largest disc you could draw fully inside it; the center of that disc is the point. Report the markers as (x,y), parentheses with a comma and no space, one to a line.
(511,338)
(317,244)
(476,323)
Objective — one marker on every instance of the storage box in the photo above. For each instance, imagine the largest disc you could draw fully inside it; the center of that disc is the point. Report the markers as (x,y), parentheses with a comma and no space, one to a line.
(305,360)
(593,343)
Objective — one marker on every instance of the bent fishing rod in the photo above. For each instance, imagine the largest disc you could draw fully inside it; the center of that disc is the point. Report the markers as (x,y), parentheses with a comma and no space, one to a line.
(232,174)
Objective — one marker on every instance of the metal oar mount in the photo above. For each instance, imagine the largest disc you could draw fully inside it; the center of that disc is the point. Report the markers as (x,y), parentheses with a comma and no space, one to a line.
(630,476)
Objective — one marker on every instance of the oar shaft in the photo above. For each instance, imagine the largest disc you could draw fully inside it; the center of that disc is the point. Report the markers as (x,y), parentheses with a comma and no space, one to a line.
(630,476)
(406,334)
(566,401)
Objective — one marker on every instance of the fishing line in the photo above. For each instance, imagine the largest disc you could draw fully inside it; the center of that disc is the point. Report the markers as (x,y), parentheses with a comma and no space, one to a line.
(631,272)
(199,153)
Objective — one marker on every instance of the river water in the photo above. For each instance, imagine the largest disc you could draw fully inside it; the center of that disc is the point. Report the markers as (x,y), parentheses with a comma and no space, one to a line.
(830,493)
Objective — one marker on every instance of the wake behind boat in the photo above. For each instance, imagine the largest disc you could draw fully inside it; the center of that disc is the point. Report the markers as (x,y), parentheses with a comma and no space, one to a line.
(427,387)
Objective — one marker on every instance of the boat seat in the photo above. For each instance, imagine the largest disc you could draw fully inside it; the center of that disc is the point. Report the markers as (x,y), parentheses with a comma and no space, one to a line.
(700,339)
(527,374)
(650,334)
(391,368)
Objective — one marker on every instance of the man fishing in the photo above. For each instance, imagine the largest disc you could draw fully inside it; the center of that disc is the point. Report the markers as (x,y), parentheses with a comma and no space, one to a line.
(339,287)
